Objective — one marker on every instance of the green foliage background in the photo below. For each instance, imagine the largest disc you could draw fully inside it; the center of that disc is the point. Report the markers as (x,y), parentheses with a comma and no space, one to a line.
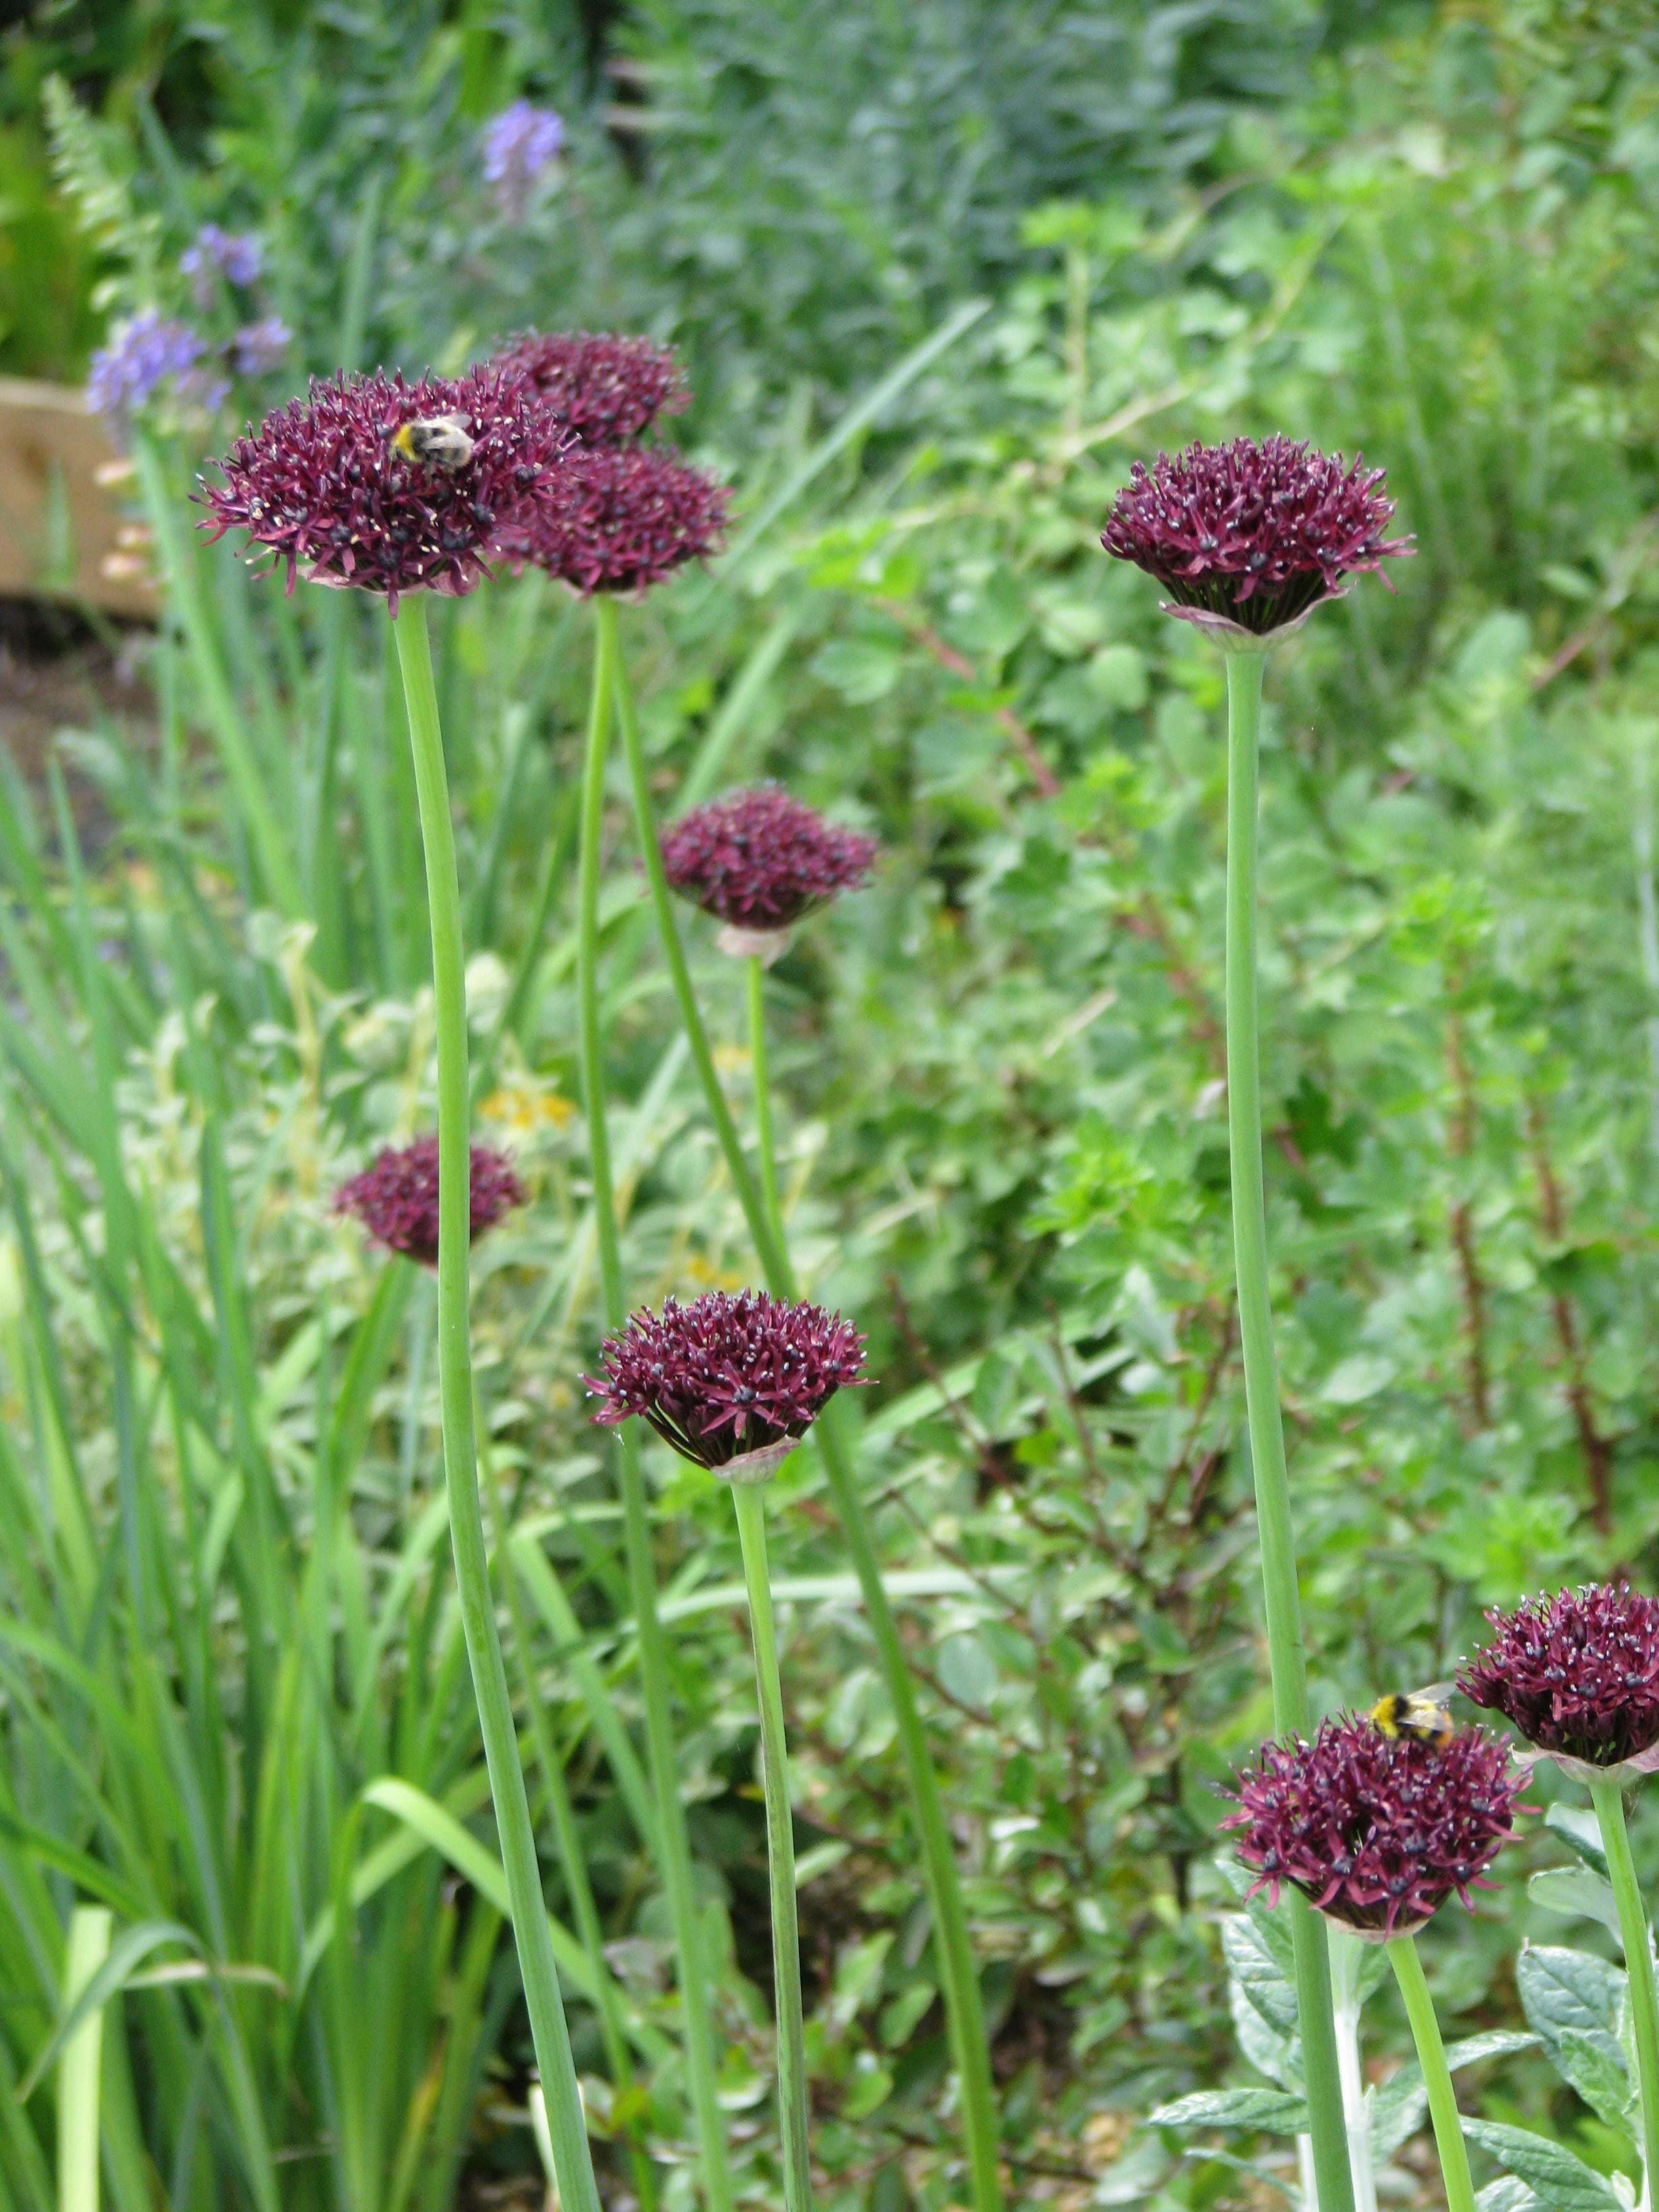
(1429,234)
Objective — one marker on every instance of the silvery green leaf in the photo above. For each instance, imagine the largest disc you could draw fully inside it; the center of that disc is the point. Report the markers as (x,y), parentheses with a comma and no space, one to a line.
(1257,1972)
(1268,1921)
(1598,2071)
(1399,2107)
(1506,2194)
(1271,2052)
(1269,2111)
(1249,2165)
(1561,1989)
(1560,2181)
(1396,2110)
(1496,2042)
(1581,1832)
(1579,1891)
(1131,2178)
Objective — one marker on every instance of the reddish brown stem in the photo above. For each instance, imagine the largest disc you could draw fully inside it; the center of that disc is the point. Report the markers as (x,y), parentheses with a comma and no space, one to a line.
(921,633)
(1459,1141)
(1596,1449)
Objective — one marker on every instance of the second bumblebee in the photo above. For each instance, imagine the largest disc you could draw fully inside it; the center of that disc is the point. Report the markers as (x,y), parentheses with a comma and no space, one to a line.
(1416,1715)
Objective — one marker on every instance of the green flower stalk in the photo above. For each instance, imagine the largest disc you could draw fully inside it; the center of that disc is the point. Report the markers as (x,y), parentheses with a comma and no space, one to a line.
(1578,1676)
(1249,539)
(733,1383)
(372,484)
(702,2057)
(573,2160)
(636,516)
(1437,2075)
(958,1974)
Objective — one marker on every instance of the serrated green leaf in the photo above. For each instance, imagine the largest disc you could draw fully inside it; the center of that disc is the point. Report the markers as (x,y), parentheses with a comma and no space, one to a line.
(1496,2042)
(1269,2111)
(1558,2179)
(1264,2174)
(1258,1973)
(1579,1891)
(1562,1988)
(1400,2106)
(1596,2068)
(1271,2052)
(1581,1832)
(1506,2194)
(1396,2110)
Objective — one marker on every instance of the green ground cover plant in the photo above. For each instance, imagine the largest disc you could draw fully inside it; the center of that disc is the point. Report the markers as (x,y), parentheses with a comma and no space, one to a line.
(239,1716)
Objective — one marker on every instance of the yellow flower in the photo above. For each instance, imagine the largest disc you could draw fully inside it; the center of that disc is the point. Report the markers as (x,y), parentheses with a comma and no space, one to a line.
(524,1107)
(704,1271)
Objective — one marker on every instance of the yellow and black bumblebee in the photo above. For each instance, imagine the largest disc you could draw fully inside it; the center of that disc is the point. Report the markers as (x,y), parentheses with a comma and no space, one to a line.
(1421,1716)
(441,441)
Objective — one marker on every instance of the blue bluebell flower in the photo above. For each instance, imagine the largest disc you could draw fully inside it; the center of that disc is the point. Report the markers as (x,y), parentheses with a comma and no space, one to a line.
(521,145)
(146,354)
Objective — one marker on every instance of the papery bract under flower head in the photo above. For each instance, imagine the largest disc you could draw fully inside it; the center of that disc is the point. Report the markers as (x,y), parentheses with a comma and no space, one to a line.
(761,860)
(1577,1673)
(396,1196)
(1376,1832)
(626,519)
(321,485)
(729,1379)
(606,388)
(1249,537)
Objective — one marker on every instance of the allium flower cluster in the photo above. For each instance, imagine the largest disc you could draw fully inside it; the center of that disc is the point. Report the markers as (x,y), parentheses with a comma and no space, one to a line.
(1252,537)
(396,1196)
(760,859)
(149,355)
(1577,1673)
(237,256)
(521,145)
(321,485)
(627,518)
(1376,1832)
(731,1381)
(608,390)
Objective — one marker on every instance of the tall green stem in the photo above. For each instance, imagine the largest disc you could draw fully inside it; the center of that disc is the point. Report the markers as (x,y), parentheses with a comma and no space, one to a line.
(964,2015)
(584,1909)
(765,1136)
(1436,2076)
(572,2158)
(1608,1799)
(1286,1658)
(701,2070)
(749,1499)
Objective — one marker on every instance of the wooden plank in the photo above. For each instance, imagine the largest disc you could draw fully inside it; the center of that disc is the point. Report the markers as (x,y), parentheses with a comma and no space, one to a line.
(64,531)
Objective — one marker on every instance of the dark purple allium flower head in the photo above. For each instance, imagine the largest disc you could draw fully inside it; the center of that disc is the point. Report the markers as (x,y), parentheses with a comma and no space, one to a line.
(237,256)
(607,389)
(1247,538)
(1376,1832)
(322,485)
(759,860)
(731,1382)
(257,348)
(396,1196)
(521,145)
(149,355)
(627,517)
(1578,1674)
